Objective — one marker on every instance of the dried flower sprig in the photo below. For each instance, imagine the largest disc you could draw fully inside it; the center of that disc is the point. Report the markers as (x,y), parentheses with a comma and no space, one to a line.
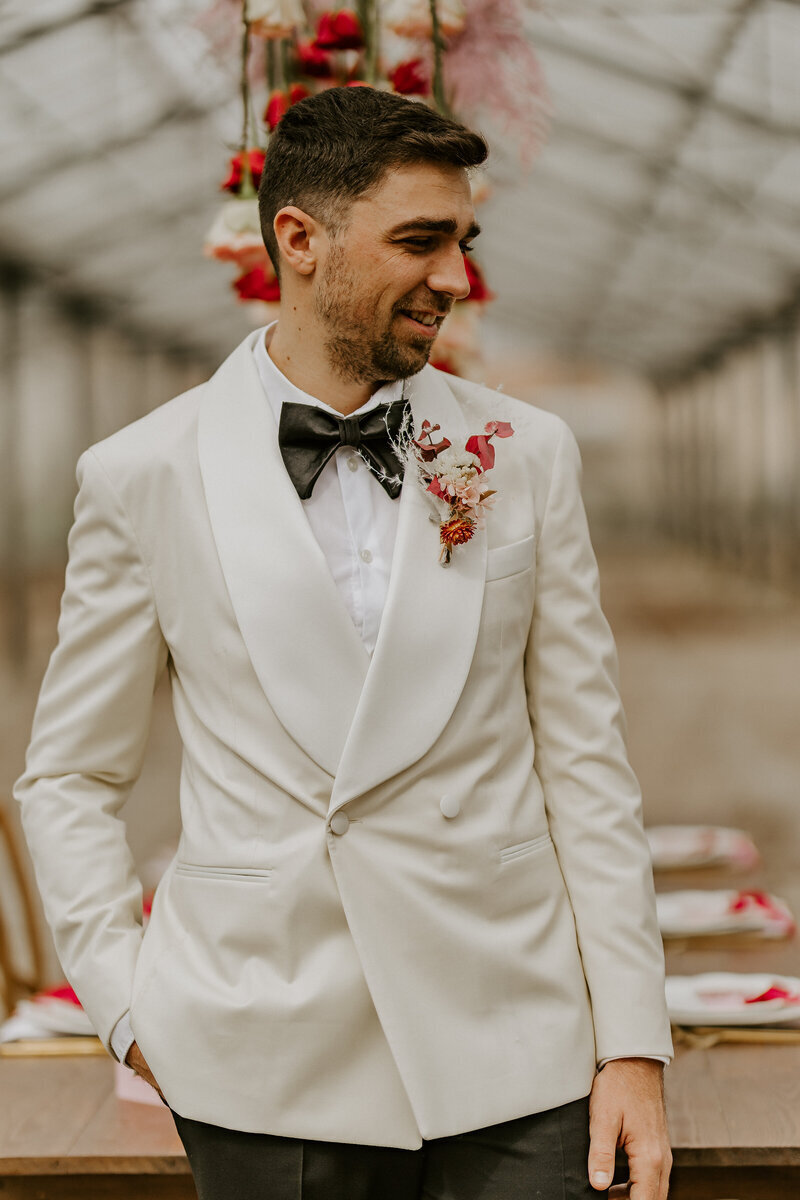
(456,480)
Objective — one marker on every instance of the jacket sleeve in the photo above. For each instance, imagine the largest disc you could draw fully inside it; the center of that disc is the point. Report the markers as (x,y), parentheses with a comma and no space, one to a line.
(591,793)
(86,751)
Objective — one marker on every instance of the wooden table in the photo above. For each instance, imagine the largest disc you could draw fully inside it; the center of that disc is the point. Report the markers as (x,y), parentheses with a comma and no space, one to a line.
(734,1111)
(734,1116)
(65,1136)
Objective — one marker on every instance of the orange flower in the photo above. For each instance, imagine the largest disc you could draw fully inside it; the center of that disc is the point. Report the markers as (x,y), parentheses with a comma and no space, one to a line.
(456,531)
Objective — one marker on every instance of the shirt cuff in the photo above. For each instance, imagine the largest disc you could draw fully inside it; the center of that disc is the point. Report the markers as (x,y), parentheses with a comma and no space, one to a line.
(616,1057)
(122,1037)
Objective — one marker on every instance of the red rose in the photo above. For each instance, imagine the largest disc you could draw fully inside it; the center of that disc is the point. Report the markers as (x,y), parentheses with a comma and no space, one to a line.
(234,180)
(258,284)
(477,286)
(277,105)
(410,78)
(339,31)
(313,62)
(298,92)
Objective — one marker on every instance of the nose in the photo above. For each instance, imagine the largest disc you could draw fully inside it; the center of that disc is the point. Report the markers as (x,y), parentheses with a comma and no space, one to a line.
(449,274)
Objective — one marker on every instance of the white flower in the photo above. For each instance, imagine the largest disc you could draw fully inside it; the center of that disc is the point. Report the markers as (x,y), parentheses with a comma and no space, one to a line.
(412,18)
(274,18)
(235,235)
(454,470)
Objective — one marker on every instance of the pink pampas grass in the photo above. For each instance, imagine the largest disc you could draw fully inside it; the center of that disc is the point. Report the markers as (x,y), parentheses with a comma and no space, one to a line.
(491,65)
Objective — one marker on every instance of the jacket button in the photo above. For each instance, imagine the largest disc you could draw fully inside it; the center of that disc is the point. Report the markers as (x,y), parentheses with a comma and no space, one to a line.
(450,806)
(340,822)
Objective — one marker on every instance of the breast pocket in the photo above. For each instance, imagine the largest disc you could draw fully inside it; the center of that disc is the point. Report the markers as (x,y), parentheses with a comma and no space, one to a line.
(513,559)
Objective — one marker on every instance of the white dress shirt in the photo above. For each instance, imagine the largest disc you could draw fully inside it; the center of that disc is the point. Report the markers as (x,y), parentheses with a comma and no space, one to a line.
(354,521)
(353,517)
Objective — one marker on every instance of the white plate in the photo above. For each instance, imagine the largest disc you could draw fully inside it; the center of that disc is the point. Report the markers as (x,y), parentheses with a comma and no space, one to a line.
(677,846)
(687,913)
(718,999)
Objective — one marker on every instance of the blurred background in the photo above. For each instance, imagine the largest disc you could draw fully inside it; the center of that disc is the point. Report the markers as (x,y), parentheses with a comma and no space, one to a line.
(642,241)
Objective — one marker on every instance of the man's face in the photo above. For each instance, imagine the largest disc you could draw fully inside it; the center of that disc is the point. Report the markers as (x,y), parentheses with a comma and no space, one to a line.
(394,272)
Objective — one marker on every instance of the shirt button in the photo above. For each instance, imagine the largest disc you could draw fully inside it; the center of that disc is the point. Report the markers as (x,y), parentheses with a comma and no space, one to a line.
(352,463)
(366,556)
(450,806)
(340,823)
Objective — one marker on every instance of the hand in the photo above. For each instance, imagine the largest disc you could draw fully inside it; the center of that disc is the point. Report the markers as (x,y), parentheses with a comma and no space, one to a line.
(137,1062)
(626,1108)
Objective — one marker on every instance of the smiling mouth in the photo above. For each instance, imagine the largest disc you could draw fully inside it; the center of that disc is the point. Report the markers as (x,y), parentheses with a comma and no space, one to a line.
(425,322)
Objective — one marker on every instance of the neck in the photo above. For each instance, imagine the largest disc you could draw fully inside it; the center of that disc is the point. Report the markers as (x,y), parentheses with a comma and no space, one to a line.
(297,348)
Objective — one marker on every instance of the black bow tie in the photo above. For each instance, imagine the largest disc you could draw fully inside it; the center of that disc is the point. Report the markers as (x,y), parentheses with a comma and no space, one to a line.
(308,437)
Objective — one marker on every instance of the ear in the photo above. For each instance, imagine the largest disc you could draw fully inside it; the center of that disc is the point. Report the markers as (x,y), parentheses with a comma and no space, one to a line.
(298,236)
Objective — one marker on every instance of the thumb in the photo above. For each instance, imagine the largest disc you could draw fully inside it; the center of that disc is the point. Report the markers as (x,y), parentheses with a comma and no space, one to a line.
(602,1153)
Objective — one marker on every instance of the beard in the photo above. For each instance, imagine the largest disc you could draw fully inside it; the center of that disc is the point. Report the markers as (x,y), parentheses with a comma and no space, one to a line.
(355,347)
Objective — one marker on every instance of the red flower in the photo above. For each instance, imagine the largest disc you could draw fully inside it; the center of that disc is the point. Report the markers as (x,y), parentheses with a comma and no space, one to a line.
(62,991)
(444,364)
(279,102)
(358,83)
(258,284)
(410,78)
(298,92)
(313,61)
(477,286)
(277,105)
(234,181)
(339,31)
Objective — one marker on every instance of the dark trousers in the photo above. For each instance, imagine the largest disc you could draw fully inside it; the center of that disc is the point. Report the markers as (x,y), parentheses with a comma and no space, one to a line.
(542,1157)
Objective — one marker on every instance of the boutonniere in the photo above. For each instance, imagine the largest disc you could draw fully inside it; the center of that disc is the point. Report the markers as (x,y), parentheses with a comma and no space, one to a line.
(457,480)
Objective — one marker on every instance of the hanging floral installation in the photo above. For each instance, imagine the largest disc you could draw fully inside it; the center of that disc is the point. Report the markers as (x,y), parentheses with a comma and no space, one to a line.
(465,58)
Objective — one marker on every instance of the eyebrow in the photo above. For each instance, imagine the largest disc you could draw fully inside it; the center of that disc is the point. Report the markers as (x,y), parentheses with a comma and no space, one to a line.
(433,225)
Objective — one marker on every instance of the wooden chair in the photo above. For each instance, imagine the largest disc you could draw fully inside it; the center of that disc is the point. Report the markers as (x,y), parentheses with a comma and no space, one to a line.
(21,951)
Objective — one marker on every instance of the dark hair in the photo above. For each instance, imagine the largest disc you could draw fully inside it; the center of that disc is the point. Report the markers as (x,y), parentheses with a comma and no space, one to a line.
(334,147)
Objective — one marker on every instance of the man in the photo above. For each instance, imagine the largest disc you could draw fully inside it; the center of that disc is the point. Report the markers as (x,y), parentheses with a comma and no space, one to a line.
(411,912)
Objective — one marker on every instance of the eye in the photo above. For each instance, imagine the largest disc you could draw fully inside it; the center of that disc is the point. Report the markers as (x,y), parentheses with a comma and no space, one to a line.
(418,243)
(466,248)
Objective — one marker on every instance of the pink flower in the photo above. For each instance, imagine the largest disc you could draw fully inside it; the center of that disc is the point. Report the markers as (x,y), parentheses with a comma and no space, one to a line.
(481,444)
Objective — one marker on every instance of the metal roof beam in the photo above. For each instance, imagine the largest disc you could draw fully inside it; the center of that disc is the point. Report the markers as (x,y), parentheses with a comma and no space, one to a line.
(690,93)
(183,112)
(44,29)
(725,195)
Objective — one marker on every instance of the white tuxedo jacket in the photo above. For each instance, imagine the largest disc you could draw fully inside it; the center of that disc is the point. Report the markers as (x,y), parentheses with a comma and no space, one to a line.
(418,974)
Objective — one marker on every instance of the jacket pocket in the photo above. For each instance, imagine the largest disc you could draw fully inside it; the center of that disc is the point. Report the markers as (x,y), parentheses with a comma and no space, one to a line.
(523,849)
(239,874)
(513,559)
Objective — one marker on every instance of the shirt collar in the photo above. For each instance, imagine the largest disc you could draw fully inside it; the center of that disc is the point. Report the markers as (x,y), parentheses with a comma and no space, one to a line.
(279,389)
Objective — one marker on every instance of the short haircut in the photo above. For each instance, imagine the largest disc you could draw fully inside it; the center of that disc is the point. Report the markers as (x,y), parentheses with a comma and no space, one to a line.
(335,147)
